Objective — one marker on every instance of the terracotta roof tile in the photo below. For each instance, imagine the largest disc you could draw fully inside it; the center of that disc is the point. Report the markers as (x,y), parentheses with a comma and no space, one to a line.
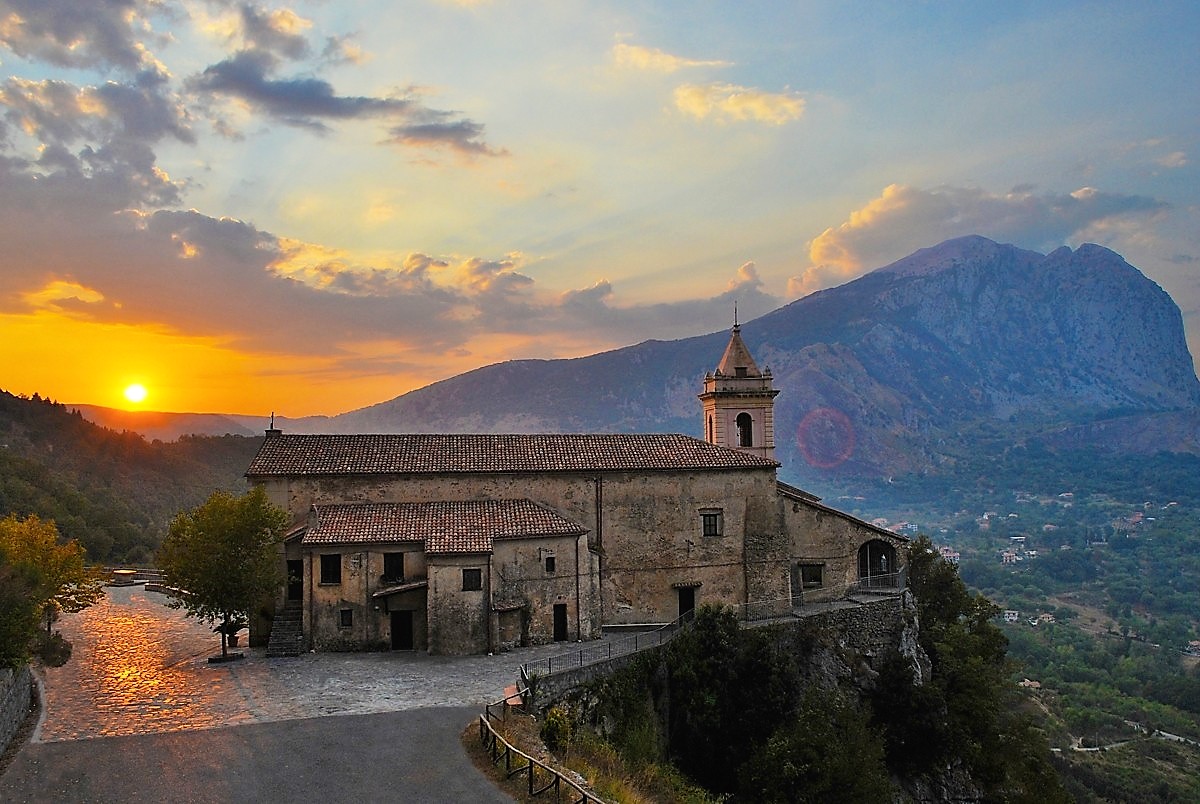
(418,453)
(467,526)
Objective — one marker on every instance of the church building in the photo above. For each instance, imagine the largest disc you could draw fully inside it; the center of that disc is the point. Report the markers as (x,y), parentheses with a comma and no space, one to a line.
(473,543)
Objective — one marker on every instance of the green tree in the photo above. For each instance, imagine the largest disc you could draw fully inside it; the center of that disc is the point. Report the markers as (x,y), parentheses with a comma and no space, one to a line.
(824,752)
(223,557)
(971,675)
(18,612)
(61,582)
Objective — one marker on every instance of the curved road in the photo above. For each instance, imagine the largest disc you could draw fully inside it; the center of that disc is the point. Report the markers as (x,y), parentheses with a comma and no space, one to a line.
(139,714)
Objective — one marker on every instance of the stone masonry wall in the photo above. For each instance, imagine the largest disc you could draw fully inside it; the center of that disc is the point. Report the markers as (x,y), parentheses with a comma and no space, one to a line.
(644,526)
(16,693)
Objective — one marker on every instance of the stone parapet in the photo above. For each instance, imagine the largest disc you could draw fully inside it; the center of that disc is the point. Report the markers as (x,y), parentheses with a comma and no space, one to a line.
(16,695)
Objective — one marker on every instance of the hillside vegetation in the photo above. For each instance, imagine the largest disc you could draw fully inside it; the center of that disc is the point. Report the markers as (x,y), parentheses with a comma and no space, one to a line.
(113,492)
(765,715)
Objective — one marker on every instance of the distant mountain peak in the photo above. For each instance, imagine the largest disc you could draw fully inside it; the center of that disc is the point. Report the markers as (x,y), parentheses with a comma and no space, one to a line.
(952,253)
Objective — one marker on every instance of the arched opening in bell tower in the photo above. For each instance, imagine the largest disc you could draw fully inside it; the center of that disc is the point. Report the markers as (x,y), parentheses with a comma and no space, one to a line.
(745,429)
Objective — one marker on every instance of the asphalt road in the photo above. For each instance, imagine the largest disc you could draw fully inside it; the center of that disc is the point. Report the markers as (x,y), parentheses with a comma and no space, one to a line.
(404,756)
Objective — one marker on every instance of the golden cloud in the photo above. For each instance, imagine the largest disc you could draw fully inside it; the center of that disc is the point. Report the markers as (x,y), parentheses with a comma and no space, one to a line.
(636,57)
(50,296)
(729,102)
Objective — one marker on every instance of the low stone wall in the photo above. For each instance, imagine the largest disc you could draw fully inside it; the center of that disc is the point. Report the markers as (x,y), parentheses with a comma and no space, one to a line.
(545,691)
(16,694)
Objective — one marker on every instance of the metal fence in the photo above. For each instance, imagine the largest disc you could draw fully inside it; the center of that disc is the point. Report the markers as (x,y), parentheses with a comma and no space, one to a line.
(542,778)
(885,583)
(595,652)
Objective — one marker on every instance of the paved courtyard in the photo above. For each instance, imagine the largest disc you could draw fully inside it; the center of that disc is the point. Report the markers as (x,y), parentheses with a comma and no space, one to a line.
(140,678)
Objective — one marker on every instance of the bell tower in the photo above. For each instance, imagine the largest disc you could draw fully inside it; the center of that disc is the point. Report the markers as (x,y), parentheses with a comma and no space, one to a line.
(739,402)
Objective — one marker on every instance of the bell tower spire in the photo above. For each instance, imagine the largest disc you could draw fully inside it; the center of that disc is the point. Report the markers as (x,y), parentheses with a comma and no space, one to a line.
(739,400)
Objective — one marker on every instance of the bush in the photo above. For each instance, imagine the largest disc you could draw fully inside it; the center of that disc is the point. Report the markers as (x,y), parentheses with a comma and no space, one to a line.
(556,729)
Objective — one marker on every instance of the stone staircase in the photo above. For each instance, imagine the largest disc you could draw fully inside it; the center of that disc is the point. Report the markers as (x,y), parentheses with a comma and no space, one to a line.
(287,631)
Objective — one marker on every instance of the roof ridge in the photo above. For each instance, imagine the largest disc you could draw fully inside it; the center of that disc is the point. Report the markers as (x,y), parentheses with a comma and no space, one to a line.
(409,453)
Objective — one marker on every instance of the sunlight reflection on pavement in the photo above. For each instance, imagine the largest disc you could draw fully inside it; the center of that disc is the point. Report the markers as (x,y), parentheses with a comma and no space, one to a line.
(139,667)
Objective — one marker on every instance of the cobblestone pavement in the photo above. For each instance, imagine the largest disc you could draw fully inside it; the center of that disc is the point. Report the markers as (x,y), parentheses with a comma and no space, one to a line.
(142,668)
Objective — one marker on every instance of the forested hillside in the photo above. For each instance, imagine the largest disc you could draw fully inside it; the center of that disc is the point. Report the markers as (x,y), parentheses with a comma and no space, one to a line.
(114,492)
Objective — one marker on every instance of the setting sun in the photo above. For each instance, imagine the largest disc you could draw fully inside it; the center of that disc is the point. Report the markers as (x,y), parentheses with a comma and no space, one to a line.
(136,393)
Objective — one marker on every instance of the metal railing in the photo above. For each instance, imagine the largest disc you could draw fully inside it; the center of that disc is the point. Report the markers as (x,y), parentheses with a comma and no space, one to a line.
(885,582)
(603,651)
(542,778)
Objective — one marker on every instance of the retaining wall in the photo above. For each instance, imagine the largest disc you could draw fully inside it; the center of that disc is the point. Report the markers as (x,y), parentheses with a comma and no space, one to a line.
(16,694)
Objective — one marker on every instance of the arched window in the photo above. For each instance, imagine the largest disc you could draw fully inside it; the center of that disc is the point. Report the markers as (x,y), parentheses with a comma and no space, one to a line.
(877,567)
(711,440)
(745,430)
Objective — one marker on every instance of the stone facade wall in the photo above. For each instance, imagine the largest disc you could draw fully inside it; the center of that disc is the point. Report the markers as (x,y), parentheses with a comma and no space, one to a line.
(645,558)
(459,618)
(362,573)
(515,578)
(645,526)
(520,578)
(16,694)
(829,539)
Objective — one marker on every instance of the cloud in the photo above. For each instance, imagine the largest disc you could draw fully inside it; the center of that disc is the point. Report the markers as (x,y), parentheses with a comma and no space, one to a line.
(635,57)
(1175,159)
(463,136)
(296,101)
(59,112)
(342,50)
(729,102)
(182,272)
(308,102)
(281,31)
(69,33)
(903,219)
(594,310)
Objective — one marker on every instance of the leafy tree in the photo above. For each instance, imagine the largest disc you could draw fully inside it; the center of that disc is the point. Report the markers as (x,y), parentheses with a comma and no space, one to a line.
(18,612)
(824,752)
(730,688)
(222,556)
(972,673)
(61,582)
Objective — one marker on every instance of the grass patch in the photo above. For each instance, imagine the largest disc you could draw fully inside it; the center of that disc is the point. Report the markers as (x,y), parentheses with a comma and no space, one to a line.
(589,757)
(1147,770)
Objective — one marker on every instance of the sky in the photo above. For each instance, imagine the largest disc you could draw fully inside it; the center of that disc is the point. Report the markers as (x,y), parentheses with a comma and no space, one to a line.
(311,207)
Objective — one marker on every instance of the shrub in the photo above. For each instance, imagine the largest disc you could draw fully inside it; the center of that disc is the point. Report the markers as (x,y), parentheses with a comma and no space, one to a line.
(556,729)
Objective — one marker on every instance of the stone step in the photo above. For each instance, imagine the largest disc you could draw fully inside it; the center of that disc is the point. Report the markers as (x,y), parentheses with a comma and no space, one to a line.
(287,631)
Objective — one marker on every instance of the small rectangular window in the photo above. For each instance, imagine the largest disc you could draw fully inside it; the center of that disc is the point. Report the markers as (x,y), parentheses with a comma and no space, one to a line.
(550,564)
(710,523)
(472,580)
(331,568)
(393,567)
(347,618)
(811,575)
